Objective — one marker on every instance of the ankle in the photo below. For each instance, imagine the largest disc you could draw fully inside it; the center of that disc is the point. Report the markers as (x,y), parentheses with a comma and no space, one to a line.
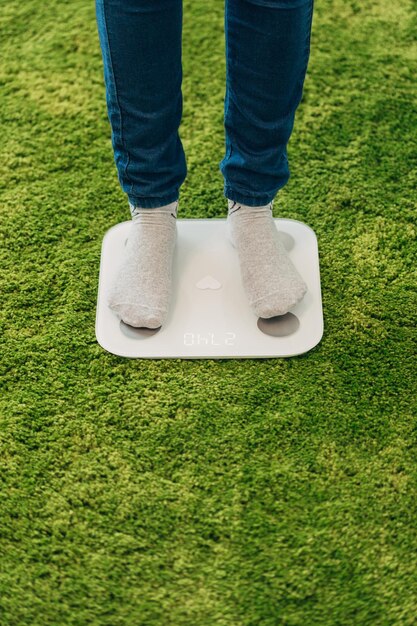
(233,205)
(167,209)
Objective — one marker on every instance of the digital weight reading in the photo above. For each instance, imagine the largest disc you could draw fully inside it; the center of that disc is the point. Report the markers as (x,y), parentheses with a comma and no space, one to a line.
(209,339)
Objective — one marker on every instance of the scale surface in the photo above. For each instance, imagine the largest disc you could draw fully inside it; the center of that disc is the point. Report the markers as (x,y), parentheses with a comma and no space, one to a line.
(210,316)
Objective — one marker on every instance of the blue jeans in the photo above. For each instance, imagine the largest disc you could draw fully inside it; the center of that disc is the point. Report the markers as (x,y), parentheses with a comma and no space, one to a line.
(267,51)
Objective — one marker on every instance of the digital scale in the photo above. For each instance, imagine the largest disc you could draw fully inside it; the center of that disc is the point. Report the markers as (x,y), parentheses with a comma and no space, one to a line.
(210,316)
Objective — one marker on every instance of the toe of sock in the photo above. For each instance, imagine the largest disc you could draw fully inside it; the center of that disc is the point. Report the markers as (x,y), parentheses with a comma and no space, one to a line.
(279,303)
(137,315)
(145,319)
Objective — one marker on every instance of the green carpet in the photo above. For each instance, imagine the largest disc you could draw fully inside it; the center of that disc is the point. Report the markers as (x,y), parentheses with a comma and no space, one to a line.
(254,492)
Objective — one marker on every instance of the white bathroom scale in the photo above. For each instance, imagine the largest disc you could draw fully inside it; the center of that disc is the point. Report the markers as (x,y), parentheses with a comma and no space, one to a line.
(210,316)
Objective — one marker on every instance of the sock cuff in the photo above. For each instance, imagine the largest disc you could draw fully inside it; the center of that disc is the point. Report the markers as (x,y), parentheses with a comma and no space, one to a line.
(233,206)
(171,208)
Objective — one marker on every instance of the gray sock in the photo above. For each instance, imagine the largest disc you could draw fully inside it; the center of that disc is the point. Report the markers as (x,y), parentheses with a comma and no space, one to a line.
(141,291)
(270,280)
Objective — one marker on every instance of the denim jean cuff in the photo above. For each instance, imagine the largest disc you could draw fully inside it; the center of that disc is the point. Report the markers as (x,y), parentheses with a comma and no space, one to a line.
(250,200)
(154,202)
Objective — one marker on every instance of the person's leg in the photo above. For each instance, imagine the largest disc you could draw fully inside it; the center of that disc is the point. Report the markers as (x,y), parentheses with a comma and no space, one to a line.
(141,49)
(267,52)
(141,44)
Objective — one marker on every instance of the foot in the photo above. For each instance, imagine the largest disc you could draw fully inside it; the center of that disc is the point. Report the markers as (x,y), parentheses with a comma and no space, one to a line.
(141,291)
(270,280)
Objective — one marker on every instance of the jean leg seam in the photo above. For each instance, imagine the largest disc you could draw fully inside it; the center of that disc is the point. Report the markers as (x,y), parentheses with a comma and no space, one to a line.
(307,45)
(117,98)
(229,152)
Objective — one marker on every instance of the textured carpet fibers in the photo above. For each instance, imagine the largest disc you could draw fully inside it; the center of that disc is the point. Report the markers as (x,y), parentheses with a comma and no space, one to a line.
(197,493)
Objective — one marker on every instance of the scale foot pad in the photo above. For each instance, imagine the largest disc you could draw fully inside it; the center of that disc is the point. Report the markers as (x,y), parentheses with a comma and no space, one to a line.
(210,316)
